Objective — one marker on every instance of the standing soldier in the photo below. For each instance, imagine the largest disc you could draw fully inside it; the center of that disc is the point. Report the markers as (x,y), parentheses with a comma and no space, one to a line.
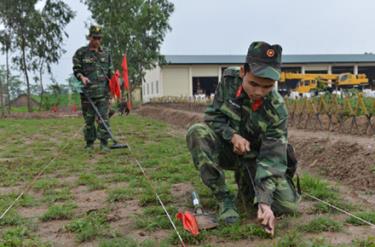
(245,130)
(92,66)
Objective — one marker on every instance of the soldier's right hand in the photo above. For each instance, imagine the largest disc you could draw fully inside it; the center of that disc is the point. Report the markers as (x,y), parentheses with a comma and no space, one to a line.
(267,218)
(84,80)
(240,144)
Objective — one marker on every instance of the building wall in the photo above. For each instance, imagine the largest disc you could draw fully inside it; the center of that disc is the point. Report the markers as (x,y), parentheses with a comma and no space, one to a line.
(203,70)
(152,87)
(176,80)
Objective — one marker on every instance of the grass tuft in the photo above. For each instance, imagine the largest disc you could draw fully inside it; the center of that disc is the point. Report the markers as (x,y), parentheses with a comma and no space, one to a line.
(59,212)
(322,224)
(368,216)
(90,226)
(92,181)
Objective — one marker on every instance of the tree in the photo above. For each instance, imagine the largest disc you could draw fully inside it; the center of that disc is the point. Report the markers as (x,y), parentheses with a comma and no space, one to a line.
(54,17)
(135,28)
(36,35)
(14,86)
(5,41)
(2,87)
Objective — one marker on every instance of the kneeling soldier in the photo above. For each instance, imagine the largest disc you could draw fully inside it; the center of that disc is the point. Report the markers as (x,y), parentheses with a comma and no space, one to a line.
(245,130)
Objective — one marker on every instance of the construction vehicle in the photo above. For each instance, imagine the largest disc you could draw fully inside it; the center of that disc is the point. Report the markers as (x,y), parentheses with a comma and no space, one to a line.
(305,83)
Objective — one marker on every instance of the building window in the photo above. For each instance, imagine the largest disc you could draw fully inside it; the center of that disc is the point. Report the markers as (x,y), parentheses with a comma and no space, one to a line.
(152,87)
(148,89)
(157,87)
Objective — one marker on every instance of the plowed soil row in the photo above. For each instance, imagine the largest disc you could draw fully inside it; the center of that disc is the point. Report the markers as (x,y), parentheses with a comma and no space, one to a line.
(347,159)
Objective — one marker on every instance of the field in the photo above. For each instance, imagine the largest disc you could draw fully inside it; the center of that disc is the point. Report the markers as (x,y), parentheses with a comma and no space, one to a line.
(97,199)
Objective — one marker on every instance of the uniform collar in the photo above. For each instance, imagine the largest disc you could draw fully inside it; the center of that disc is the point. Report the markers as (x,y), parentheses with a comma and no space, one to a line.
(254,104)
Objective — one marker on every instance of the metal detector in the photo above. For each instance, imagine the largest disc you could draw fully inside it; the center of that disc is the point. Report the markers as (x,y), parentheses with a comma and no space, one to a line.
(205,221)
(115,144)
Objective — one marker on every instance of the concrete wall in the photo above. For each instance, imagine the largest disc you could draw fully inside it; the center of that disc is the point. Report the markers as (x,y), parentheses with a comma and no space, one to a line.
(152,86)
(176,80)
(202,70)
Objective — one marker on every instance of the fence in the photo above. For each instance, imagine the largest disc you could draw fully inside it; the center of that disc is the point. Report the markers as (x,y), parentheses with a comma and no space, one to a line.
(350,114)
(345,114)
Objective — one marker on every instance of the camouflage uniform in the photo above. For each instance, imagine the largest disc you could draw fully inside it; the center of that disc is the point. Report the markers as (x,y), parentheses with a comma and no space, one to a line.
(265,129)
(97,67)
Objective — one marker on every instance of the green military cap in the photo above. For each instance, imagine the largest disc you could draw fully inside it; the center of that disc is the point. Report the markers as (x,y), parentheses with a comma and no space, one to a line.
(95,31)
(264,60)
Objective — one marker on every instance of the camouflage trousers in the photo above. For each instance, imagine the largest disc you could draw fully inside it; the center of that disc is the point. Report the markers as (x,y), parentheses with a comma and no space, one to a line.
(91,132)
(212,155)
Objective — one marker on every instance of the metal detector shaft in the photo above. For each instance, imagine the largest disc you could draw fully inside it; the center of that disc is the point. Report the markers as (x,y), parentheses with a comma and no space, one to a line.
(100,116)
(255,189)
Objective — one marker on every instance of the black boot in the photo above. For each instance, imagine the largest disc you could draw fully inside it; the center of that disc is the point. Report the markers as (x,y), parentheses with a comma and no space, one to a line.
(89,146)
(104,146)
(227,210)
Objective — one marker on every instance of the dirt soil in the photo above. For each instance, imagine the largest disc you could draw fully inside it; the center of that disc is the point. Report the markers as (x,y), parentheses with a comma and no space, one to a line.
(348,159)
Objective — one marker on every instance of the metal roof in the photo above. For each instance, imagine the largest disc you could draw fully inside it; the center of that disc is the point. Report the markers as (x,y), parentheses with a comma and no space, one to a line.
(286,59)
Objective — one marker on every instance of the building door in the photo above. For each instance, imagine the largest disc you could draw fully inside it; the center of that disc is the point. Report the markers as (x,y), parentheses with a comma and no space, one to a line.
(205,85)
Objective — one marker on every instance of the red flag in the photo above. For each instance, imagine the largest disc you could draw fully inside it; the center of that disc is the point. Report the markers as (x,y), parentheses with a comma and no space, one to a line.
(189,222)
(125,77)
(114,85)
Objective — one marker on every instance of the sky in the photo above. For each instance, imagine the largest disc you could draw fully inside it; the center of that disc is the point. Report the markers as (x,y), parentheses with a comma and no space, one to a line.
(223,27)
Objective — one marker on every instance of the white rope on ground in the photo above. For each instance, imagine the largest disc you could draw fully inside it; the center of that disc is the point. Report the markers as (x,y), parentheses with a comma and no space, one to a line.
(40,173)
(161,202)
(339,209)
(159,199)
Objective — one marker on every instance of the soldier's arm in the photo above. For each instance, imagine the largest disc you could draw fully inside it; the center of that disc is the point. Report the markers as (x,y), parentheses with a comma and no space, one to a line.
(272,160)
(77,65)
(218,119)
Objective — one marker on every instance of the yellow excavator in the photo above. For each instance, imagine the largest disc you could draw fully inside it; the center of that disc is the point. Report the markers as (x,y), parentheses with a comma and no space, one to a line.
(304,83)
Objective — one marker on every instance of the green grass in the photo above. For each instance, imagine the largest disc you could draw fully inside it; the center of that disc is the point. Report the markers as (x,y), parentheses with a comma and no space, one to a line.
(12,218)
(318,188)
(241,231)
(120,194)
(45,184)
(31,144)
(20,236)
(322,224)
(154,218)
(129,242)
(295,239)
(90,226)
(57,195)
(24,201)
(369,242)
(92,181)
(59,212)
(368,216)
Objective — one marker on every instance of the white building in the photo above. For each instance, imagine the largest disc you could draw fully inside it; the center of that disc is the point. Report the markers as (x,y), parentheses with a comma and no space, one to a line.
(186,75)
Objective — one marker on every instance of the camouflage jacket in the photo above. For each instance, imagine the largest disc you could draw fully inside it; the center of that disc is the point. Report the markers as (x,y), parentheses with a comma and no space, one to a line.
(97,66)
(265,129)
